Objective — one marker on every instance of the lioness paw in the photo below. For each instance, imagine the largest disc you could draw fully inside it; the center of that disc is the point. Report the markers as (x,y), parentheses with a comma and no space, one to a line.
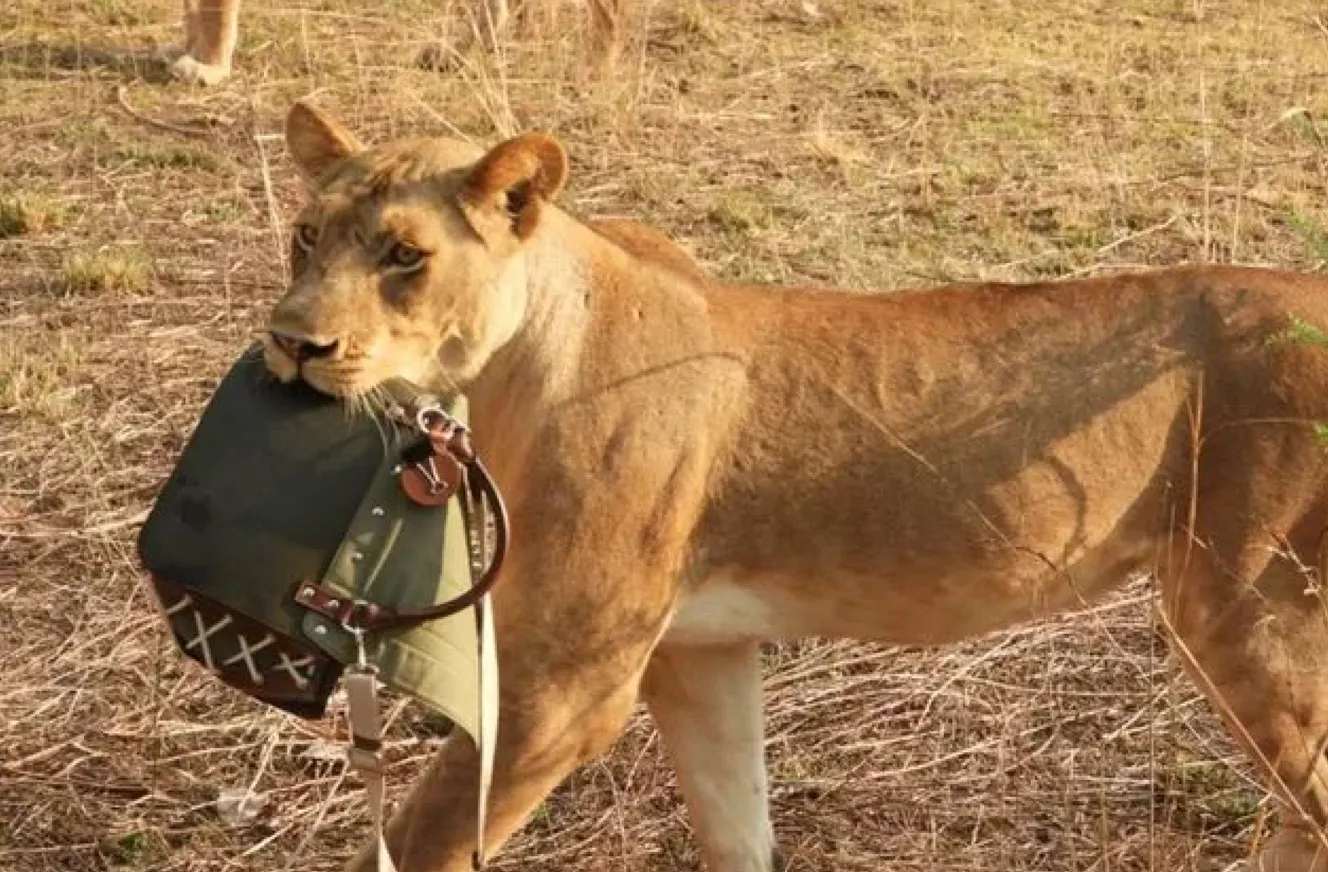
(190,70)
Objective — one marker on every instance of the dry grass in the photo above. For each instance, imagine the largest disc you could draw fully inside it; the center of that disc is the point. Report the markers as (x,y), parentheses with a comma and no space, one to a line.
(886,143)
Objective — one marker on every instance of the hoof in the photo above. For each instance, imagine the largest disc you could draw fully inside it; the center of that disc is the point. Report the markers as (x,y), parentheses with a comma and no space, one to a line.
(190,70)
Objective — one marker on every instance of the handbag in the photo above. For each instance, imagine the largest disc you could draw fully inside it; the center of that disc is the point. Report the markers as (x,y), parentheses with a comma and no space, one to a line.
(294,542)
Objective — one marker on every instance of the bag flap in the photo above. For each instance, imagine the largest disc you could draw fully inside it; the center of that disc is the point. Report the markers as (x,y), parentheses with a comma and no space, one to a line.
(267,483)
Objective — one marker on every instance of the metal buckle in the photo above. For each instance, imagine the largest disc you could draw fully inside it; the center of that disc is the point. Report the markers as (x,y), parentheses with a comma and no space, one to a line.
(357,632)
(433,410)
(362,663)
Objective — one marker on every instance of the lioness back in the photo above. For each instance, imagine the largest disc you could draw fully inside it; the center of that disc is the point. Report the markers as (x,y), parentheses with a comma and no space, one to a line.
(1041,436)
(649,244)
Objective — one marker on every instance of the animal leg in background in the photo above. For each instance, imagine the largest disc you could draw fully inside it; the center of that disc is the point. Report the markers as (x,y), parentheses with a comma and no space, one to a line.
(211,28)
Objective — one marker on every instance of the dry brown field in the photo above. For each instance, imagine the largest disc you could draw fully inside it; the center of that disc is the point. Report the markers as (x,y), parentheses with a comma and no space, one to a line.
(874,144)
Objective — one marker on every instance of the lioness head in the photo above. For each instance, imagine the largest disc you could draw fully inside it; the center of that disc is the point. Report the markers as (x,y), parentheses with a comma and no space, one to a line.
(407,260)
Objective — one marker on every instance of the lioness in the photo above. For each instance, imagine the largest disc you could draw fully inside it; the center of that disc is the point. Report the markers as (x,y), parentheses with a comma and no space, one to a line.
(211,28)
(694,467)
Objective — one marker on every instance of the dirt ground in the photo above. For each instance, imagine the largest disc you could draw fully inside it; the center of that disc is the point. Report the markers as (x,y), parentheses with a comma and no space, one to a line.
(874,144)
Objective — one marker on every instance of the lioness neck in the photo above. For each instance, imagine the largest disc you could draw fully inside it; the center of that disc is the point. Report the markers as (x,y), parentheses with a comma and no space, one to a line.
(580,287)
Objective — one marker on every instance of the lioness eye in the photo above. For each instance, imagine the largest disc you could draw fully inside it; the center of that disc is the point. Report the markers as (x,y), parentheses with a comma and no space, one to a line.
(404,257)
(307,236)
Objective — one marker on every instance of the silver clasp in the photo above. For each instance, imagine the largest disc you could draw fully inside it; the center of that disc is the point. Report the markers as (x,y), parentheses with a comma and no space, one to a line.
(426,413)
(362,663)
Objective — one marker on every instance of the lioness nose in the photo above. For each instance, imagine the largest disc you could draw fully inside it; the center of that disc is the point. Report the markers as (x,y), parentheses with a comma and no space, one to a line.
(301,348)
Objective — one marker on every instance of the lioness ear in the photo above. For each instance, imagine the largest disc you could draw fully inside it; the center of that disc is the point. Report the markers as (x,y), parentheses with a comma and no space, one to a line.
(504,194)
(316,141)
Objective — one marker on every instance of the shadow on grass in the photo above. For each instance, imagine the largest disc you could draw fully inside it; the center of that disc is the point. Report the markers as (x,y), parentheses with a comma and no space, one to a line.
(43,60)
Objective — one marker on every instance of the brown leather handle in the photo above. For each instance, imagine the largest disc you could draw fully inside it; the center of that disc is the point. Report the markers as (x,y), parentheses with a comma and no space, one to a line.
(482,489)
(362,615)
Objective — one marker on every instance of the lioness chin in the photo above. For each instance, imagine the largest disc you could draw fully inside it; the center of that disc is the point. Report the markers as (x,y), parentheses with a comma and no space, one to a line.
(695,467)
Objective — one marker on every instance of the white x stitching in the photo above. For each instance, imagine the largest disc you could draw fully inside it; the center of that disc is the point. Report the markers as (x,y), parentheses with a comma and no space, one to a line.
(202,637)
(246,654)
(185,602)
(247,651)
(300,681)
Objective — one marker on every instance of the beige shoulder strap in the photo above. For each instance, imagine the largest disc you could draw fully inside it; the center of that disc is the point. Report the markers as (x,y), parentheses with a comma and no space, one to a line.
(366,735)
(366,741)
(487,741)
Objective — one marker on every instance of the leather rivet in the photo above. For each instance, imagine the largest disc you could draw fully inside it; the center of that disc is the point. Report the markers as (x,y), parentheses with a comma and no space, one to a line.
(396,470)
(320,630)
(377,511)
(356,555)
(332,604)
(306,593)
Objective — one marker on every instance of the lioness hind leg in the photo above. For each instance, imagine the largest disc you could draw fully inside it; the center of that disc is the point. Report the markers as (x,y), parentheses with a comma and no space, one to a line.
(706,702)
(541,740)
(211,30)
(1253,633)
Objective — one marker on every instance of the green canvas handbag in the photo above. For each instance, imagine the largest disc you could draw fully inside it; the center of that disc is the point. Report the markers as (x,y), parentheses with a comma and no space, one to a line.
(293,540)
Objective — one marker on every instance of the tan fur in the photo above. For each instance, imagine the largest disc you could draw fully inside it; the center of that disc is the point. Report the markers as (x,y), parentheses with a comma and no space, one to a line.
(693,467)
(211,28)
(649,244)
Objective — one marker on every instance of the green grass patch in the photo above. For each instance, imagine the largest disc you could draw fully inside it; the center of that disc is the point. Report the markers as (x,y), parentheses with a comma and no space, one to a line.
(106,271)
(25,214)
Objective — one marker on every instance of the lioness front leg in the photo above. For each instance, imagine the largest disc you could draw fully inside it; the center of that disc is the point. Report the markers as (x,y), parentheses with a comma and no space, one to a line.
(211,29)
(541,740)
(706,702)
